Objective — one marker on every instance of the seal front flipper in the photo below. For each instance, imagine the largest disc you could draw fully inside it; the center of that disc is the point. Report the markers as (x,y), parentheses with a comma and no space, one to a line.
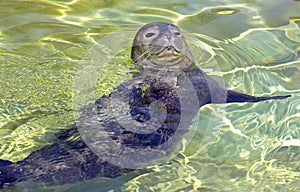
(218,94)
(233,96)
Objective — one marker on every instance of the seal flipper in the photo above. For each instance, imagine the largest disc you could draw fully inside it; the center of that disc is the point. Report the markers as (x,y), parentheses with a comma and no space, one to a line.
(6,173)
(233,96)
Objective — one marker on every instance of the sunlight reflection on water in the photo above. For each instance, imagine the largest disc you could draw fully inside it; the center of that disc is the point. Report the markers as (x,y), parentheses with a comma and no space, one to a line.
(43,42)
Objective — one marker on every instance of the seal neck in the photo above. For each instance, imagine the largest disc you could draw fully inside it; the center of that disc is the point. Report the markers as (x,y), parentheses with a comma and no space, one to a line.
(167,74)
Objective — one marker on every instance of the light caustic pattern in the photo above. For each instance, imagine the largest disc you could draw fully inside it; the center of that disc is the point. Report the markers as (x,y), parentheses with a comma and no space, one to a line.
(257,147)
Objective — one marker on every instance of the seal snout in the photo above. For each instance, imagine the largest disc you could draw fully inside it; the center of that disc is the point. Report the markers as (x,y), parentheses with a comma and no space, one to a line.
(168,51)
(169,48)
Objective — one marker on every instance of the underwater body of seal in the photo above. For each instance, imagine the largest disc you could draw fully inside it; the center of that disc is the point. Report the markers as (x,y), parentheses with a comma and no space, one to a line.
(270,154)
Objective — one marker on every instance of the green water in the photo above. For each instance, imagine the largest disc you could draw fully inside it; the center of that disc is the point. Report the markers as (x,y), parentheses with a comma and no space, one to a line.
(254,46)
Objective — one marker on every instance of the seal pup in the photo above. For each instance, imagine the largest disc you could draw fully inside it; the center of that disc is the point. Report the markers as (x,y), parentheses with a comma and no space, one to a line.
(166,94)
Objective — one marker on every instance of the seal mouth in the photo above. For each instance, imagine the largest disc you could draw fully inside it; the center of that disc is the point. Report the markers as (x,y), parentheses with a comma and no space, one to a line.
(168,51)
(167,56)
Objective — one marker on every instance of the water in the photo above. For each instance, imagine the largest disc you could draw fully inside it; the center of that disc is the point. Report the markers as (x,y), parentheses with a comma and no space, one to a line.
(252,147)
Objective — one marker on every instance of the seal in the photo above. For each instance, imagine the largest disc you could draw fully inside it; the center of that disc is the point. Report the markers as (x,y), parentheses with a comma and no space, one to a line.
(159,101)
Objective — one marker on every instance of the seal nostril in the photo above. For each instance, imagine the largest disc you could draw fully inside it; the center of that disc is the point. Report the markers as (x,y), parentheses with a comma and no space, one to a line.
(169,48)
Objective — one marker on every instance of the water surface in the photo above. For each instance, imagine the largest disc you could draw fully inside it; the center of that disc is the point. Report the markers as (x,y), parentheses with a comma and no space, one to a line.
(255,49)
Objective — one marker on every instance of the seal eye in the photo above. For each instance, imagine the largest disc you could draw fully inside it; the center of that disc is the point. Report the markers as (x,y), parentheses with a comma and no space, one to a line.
(177,33)
(148,35)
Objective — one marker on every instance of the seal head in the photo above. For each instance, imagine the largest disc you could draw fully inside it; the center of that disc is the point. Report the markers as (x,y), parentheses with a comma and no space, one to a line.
(161,45)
